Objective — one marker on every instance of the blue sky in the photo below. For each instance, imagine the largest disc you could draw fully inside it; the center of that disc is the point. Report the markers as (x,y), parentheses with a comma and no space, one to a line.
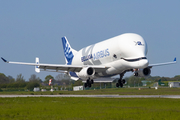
(34,28)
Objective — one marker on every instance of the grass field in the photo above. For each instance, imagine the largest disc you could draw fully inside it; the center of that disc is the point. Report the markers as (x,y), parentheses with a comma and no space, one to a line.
(120,91)
(43,108)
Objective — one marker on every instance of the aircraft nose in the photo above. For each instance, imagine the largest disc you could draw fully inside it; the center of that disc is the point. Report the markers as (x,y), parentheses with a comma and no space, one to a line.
(143,63)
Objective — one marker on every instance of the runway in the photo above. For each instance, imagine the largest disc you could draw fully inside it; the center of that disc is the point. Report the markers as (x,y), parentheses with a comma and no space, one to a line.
(96,96)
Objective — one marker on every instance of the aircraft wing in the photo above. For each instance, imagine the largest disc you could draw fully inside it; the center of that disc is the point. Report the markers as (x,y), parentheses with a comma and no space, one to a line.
(57,67)
(160,64)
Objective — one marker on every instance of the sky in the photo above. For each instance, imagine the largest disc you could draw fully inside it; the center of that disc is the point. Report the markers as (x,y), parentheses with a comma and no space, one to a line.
(34,28)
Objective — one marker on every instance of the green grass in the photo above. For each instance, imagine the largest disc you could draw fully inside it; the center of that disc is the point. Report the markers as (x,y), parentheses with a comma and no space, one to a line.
(44,108)
(120,91)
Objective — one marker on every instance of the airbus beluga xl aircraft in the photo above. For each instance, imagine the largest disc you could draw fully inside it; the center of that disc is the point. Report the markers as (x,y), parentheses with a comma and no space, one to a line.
(114,56)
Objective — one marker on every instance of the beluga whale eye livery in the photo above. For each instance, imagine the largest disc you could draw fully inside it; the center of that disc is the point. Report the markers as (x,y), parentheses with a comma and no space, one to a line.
(114,56)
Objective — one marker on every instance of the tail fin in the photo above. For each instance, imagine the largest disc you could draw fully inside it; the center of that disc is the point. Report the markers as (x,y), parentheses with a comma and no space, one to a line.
(68,51)
(37,69)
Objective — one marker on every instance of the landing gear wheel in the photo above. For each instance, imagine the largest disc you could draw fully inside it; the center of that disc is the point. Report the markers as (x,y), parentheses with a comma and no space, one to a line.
(89,85)
(88,82)
(119,81)
(121,85)
(92,81)
(117,84)
(123,81)
(85,85)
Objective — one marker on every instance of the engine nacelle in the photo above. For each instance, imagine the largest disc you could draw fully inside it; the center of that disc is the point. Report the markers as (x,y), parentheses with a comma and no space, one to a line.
(142,72)
(86,72)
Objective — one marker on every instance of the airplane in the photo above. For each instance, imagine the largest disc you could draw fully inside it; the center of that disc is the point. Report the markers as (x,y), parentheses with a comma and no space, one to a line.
(114,56)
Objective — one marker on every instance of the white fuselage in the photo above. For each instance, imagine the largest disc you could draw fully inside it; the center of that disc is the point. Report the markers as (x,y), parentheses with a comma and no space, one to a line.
(119,53)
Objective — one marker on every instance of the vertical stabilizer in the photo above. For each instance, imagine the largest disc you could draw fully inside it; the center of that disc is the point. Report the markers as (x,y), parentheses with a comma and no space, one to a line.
(68,51)
(37,69)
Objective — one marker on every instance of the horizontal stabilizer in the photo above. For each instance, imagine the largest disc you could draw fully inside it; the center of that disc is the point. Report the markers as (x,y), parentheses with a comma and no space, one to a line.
(75,78)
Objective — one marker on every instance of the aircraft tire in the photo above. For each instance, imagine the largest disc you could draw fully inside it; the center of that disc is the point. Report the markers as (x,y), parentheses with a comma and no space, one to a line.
(92,81)
(121,85)
(123,81)
(85,85)
(89,85)
(117,84)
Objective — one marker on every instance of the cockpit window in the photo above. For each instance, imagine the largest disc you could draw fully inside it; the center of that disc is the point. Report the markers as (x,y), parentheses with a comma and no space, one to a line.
(133,60)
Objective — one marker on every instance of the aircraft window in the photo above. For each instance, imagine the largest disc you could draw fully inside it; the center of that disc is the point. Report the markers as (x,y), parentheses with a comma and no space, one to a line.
(133,60)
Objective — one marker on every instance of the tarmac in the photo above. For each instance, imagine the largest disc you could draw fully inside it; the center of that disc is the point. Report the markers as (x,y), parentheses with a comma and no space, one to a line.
(96,96)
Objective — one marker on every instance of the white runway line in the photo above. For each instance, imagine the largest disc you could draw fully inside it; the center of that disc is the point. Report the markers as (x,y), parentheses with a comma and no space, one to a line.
(96,96)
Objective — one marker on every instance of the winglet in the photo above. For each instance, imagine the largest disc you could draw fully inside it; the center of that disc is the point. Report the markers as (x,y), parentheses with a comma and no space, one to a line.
(175,59)
(4,60)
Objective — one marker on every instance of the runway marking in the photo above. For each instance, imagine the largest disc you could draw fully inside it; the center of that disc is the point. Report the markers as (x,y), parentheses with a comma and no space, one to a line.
(96,96)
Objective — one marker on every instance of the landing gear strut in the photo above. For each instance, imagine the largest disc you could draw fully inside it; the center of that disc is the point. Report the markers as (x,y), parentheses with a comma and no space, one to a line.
(88,83)
(121,81)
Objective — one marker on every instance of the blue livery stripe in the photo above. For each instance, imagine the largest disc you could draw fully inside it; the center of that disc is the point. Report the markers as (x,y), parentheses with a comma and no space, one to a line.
(67,51)
(73,74)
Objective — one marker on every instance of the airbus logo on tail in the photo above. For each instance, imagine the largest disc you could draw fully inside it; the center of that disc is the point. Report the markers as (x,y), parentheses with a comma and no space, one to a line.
(67,50)
(138,43)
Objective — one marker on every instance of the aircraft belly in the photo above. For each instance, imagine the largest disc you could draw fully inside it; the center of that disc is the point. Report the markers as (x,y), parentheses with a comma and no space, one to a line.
(109,72)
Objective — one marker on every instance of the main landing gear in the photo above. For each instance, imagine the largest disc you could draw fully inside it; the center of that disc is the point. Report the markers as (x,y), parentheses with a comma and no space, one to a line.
(122,81)
(88,83)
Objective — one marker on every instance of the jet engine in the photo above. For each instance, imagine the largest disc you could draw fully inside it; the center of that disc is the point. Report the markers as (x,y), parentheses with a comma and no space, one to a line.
(86,72)
(142,72)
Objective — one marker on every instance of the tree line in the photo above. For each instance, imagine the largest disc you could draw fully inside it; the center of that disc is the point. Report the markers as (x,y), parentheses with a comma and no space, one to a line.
(34,81)
(138,80)
(64,80)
